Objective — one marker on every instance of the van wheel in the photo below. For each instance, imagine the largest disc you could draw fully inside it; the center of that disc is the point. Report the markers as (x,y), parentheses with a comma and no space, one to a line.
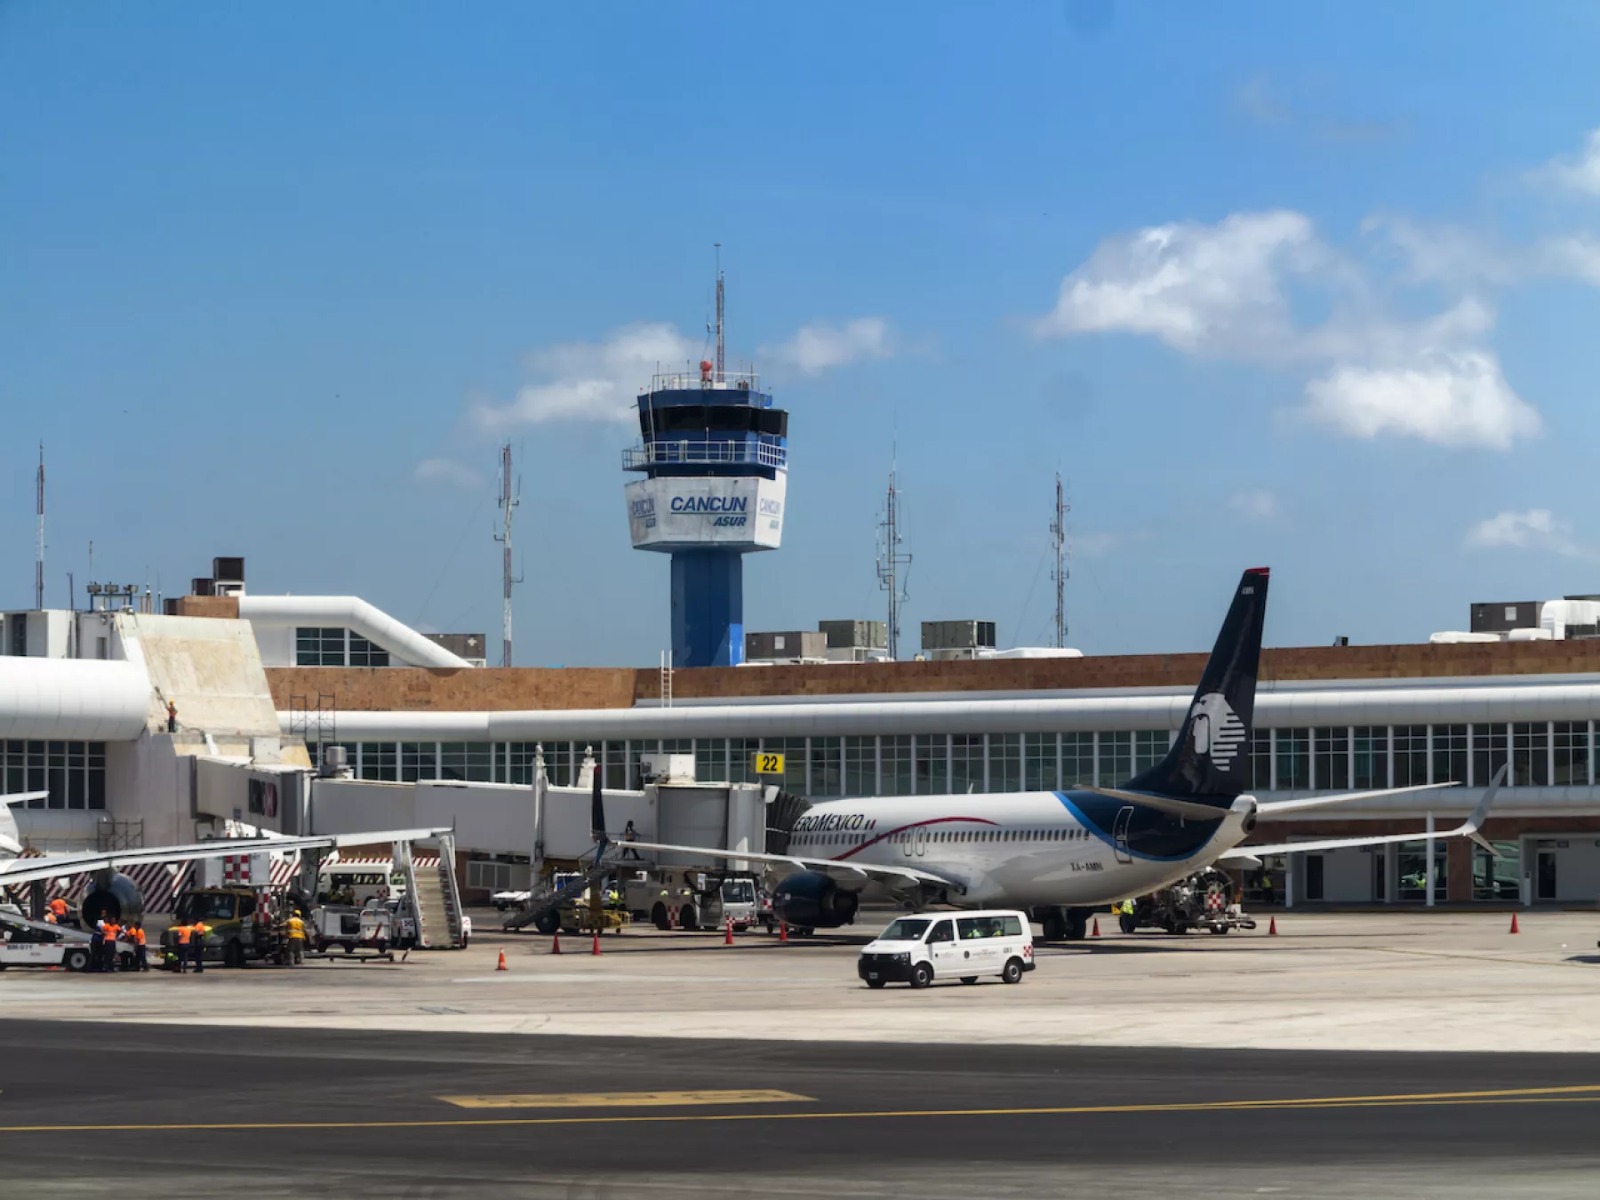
(233,955)
(1013,971)
(547,923)
(349,948)
(875,983)
(969,979)
(688,918)
(921,975)
(1127,924)
(75,960)
(659,918)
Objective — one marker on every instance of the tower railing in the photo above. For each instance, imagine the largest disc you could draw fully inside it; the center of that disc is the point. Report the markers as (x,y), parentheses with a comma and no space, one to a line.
(678,381)
(705,452)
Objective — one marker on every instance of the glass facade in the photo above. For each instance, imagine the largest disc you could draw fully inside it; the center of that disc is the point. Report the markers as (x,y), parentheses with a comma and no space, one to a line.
(1542,754)
(74,773)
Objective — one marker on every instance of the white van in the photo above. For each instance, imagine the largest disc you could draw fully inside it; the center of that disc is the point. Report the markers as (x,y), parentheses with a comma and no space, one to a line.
(927,946)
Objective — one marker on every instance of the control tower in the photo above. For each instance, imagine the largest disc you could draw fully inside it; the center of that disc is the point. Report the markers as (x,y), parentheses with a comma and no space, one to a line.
(714,454)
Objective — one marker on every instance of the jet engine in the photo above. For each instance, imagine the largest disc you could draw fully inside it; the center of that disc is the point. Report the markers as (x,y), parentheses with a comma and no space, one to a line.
(811,900)
(111,895)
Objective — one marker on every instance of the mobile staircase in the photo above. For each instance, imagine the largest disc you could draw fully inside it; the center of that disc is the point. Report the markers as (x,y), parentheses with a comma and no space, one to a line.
(435,896)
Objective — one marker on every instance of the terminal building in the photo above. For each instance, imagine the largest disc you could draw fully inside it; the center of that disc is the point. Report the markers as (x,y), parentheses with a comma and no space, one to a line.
(326,710)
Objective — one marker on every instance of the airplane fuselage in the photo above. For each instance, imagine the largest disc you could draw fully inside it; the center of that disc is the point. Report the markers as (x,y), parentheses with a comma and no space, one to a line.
(1022,849)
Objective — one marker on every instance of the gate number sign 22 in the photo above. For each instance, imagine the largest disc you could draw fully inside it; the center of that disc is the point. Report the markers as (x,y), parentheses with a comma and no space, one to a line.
(768,764)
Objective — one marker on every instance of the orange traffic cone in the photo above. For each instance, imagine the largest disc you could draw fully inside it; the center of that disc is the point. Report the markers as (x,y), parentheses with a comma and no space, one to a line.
(1096,932)
(1272,927)
(727,939)
(596,950)
(1514,928)
(501,965)
(783,931)
(555,944)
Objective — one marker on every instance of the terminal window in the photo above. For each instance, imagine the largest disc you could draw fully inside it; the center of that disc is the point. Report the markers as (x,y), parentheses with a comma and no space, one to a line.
(73,773)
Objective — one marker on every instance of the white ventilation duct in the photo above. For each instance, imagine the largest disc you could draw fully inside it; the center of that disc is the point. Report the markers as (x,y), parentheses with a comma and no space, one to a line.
(68,699)
(354,614)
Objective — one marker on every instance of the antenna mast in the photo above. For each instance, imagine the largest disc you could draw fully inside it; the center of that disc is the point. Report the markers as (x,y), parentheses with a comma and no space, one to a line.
(1058,537)
(508,501)
(890,560)
(38,566)
(719,312)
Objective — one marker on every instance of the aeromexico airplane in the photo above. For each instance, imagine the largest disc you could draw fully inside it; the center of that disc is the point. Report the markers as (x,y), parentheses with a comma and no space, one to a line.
(1060,854)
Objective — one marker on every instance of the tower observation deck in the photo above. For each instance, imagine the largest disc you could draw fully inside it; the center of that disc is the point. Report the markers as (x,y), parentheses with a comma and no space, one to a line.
(714,455)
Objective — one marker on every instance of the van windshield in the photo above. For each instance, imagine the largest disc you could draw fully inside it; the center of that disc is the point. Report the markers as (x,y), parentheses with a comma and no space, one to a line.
(738,891)
(906,929)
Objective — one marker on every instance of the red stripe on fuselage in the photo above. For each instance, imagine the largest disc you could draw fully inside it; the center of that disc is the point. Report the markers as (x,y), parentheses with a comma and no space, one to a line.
(888,833)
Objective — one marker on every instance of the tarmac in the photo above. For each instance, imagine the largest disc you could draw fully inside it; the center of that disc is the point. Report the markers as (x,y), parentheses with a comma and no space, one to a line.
(1445,981)
(186,1114)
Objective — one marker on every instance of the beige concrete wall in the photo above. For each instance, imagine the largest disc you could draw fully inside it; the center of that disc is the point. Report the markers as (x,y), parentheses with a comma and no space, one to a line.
(209,668)
(399,689)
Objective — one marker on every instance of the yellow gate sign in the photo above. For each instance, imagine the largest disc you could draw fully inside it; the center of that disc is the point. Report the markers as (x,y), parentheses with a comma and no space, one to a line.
(767,764)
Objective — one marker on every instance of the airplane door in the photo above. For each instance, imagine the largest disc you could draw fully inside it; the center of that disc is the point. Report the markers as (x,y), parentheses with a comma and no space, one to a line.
(1119,834)
(919,841)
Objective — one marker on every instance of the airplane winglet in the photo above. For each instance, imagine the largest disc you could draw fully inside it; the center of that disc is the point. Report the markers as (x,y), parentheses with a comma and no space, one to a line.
(1474,823)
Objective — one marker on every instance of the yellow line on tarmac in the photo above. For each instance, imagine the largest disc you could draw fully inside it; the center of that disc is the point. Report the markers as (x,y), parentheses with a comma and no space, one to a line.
(625,1099)
(1582,1093)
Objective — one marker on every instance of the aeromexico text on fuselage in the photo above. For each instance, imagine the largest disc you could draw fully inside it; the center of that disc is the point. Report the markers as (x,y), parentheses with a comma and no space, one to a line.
(1031,847)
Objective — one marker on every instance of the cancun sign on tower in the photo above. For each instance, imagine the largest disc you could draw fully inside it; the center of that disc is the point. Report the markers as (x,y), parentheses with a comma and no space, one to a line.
(671,514)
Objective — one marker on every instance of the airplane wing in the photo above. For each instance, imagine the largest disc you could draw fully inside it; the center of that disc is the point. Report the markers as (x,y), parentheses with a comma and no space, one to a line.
(1267,808)
(844,871)
(1251,855)
(52,866)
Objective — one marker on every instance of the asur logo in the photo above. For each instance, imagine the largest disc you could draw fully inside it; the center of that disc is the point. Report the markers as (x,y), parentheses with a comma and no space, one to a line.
(1217,730)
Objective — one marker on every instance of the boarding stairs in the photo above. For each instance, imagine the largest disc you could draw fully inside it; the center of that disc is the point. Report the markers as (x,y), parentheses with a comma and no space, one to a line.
(549,897)
(435,898)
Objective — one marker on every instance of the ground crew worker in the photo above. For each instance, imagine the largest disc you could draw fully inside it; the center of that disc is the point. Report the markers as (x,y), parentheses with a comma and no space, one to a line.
(182,933)
(97,947)
(140,962)
(297,938)
(172,717)
(197,944)
(112,931)
(58,909)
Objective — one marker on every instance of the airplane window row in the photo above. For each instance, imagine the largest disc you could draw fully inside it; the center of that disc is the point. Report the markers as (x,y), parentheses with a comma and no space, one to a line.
(948,836)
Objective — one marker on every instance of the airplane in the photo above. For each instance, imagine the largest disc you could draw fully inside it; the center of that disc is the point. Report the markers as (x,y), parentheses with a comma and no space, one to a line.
(115,895)
(1060,854)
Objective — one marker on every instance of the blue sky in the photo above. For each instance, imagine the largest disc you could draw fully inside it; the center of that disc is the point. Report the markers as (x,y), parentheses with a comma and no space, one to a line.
(1311,286)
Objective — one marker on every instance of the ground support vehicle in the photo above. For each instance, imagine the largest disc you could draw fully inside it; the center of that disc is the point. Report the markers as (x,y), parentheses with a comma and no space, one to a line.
(40,944)
(358,933)
(1204,900)
(930,946)
(681,897)
(246,924)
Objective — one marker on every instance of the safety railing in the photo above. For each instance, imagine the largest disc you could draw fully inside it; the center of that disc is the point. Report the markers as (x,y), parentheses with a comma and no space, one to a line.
(705,452)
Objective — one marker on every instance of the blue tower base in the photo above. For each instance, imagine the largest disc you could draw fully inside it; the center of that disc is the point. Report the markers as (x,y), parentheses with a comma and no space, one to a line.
(707,608)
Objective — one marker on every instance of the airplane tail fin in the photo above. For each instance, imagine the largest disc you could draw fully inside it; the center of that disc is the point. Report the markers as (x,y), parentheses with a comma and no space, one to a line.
(1210,760)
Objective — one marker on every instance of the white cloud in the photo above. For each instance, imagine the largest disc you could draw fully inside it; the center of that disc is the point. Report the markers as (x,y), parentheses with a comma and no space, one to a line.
(1095,545)
(1439,253)
(1255,505)
(1452,399)
(1205,289)
(1578,172)
(447,471)
(1535,529)
(591,381)
(820,347)
(1234,289)
(1256,99)
(600,381)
